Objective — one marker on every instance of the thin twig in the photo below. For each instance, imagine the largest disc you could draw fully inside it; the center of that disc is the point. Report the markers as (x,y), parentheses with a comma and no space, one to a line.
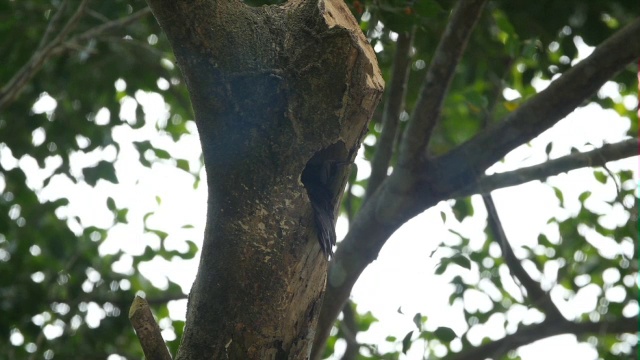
(528,334)
(52,24)
(598,157)
(349,328)
(104,28)
(98,16)
(14,87)
(496,94)
(52,285)
(392,109)
(57,46)
(538,297)
(437,80)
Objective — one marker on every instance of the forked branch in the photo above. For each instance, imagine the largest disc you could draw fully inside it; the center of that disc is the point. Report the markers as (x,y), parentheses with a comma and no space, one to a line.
(594,158)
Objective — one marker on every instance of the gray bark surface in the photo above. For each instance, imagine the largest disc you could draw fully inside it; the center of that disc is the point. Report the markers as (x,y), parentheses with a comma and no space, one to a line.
(270,87)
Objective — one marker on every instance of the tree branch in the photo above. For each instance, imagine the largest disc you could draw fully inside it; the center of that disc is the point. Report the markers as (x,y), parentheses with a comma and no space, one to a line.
(14,87)
(392,109)
(496,94)
(541,111)
(407,192)
(550,327)
(100,30)
(350,330)
(58,46)
(52,24)
(148,330)
(436,83)
(537,296)
(598,157)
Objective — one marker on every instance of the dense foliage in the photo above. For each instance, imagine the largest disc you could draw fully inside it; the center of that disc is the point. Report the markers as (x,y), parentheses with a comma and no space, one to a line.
(78,73)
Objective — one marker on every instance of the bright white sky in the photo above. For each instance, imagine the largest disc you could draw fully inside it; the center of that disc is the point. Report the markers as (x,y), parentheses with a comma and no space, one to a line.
(403,276)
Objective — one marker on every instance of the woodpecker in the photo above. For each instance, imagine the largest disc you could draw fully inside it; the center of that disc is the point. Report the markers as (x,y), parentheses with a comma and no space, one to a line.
(324,182)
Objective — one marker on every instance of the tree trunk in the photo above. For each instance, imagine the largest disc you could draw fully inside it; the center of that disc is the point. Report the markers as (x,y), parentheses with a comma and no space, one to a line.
(271,87)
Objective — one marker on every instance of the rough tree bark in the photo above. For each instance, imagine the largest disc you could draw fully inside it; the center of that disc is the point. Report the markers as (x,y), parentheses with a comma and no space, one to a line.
(271,88)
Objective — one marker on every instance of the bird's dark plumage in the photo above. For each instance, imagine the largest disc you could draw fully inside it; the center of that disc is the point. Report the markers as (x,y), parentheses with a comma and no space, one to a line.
(325,229)
(323,182)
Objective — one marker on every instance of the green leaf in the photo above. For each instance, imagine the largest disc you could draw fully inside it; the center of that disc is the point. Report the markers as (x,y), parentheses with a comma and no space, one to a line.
(600,176)
(193,250)
(183,164)
(417,319)
(139,121)
(442,267)
(544,240)
(476,99)
(161,234)
(406,342)
(162,154)
(444,334)
(503,22)
(461,260)
(559,195)
(103,170)
(513,46)
(146,217)
(142,147)
(148,255)
(365,320)
(462,208)
(584,196)
(548,148)
(111,204)
(530,48)
(121,216)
